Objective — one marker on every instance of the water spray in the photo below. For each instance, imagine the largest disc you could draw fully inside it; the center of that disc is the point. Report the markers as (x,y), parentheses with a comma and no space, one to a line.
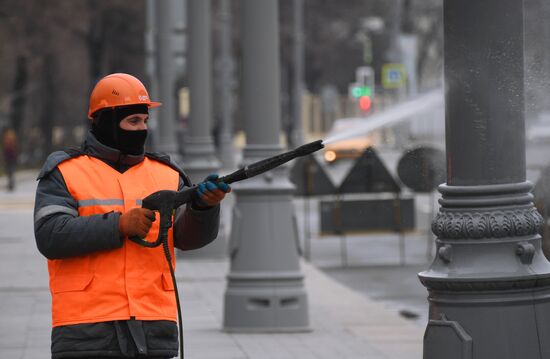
(361,126)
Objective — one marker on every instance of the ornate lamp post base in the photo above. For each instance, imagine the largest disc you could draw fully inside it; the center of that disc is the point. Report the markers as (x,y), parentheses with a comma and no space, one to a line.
(489,284)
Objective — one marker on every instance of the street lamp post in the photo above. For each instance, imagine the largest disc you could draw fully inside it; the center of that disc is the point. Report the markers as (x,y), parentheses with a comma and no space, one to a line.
(200,157)
(297,134)
(165,70)
(265,290)
(226,148)
(489,284)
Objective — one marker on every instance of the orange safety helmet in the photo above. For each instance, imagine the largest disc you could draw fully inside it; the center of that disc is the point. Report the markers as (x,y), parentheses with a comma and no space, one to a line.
(119,90)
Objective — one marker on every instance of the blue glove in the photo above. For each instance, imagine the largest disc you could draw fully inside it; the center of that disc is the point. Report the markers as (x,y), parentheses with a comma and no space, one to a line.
(209,193)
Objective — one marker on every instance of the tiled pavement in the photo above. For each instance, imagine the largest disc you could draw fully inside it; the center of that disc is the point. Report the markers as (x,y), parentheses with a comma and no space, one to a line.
(344,324)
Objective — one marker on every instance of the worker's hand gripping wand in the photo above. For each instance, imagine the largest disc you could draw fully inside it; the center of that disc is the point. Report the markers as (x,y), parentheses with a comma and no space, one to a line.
(167,201)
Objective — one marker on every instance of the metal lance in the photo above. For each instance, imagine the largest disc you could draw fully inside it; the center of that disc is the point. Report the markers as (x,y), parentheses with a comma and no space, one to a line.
(166,201)
(489,283)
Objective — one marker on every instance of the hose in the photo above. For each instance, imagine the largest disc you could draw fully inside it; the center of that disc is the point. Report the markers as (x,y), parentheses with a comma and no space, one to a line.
(173,275)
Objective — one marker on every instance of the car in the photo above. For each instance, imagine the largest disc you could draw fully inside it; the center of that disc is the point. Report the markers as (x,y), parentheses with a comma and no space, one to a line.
(346,147)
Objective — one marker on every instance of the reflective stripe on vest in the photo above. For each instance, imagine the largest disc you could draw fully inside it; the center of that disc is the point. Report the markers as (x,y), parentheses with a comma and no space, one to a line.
(131,281)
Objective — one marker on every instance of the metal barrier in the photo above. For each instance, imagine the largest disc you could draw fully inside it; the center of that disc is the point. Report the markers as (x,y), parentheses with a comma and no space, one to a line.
(369,199)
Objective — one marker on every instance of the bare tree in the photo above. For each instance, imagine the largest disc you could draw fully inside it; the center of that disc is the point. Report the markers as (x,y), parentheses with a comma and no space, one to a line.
(55,52)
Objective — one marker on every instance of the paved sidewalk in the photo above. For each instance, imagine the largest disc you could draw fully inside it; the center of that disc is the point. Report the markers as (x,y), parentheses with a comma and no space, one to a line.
(344,323)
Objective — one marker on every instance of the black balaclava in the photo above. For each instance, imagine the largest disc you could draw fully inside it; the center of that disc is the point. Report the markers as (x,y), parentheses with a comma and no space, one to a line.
(106,128)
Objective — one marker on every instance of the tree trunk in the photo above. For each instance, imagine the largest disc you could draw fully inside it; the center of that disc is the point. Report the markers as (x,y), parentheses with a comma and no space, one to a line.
(19,94)
(49,103)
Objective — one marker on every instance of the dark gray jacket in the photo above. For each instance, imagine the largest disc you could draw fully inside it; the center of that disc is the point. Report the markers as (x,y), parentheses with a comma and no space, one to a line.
(61,233)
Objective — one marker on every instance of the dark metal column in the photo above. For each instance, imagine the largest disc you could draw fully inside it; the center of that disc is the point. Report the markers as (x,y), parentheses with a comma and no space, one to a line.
(151,69)
(265,289)
(199,153)
(297,134)
(200,159)
(226,148)
(489,284)
(150,49)
(165,70)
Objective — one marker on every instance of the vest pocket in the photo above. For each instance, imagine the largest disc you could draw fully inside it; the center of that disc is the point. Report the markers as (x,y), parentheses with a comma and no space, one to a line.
(167,281)
(71,282)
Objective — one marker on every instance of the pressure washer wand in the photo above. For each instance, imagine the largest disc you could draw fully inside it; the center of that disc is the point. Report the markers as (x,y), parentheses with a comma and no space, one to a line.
(254,169)
(262,166)
(166,201)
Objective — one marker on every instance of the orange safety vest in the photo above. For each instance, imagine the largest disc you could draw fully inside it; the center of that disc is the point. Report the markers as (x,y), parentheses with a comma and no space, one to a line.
(131,281)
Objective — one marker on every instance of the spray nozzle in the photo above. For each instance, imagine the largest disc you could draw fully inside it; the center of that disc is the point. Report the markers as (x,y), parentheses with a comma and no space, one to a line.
(309,148)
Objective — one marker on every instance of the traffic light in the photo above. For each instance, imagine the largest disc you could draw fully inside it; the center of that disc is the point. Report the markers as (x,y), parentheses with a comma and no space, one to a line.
(362,91)
(363,94)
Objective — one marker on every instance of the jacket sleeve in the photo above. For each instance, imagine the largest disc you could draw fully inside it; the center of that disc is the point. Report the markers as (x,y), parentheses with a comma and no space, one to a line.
(195,228)
(60,232)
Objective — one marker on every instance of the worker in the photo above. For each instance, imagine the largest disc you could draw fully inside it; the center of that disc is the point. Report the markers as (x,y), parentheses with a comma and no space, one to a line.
(112,298)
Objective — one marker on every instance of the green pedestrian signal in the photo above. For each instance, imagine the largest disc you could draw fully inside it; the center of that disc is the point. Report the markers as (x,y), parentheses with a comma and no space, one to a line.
(360,91)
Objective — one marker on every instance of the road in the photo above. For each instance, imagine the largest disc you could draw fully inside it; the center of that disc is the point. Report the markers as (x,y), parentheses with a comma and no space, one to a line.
(373,264)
